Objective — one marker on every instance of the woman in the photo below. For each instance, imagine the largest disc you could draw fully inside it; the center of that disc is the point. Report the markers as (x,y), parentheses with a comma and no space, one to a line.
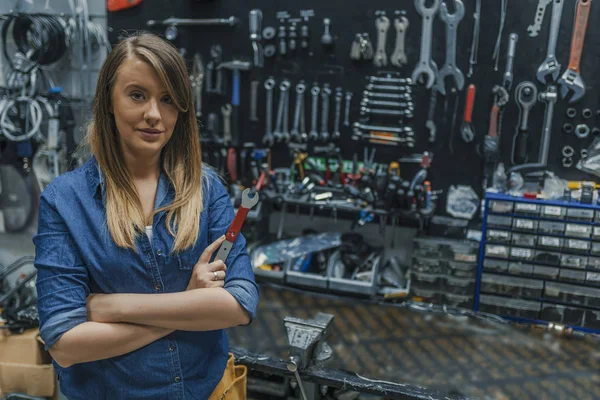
(130,305)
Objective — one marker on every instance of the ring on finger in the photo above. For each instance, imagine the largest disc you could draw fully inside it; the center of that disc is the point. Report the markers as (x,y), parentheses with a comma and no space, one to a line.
(216,275)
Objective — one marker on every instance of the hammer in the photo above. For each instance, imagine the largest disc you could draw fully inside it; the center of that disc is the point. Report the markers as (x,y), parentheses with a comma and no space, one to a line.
(235,66)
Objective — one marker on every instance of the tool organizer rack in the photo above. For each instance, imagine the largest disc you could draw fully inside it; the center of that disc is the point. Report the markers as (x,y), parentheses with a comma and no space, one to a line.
(539,262)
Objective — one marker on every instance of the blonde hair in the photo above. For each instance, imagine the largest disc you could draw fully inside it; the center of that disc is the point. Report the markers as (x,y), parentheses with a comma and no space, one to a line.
(181,157)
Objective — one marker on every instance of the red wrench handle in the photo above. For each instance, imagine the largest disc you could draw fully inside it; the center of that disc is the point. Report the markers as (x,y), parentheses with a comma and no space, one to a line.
(236,224)
(469,103)
(493,130)
(582,14)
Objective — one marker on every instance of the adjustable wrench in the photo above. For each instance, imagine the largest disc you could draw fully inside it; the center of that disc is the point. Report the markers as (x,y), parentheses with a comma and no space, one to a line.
(298,110)
(571,80)
(525,97)
(398,57)
(550,68)
(426,65)
(268,138)
(236,225)
(450,68)
(382,23)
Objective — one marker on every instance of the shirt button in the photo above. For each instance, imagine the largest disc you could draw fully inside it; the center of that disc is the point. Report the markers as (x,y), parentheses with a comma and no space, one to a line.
(177,379)
(157,287)
(159,252)
(172,348)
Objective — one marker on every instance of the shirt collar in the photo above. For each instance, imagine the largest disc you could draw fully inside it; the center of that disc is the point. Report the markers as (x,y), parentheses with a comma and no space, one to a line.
(98,186)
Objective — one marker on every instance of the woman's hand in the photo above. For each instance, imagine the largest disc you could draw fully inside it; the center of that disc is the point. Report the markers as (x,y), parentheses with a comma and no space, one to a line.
(208,274)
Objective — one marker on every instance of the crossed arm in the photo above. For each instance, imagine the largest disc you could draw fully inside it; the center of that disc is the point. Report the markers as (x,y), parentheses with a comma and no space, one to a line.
(121,323)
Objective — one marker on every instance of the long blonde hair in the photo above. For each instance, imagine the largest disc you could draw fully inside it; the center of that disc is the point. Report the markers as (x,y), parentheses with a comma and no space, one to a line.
(181,157)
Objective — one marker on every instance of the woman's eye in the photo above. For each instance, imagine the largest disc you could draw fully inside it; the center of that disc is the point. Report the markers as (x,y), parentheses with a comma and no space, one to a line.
(168,100)
(137,96)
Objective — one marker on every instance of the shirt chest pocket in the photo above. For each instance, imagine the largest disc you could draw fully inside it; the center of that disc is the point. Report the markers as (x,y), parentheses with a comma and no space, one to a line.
(188,258)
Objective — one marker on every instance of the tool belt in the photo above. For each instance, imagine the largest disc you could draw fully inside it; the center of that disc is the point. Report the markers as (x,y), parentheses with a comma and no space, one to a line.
(233,384)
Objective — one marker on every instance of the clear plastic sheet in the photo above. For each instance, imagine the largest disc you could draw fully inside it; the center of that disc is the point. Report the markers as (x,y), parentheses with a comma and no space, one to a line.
(591,163)
(280,251)
(462,202)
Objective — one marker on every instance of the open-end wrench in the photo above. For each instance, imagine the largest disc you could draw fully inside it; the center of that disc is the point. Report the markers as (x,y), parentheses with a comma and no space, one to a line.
(254,101)
(571,80)
(347,109)
(525,97)
(405,130)
(325,94)
(398,57)
(392,88)
(268,138)
(299,108)
(384,103)
(450,67)
(231,21)
(510,58)
(430,123)
(285,131)
(426,65)
(534,29)
(475,42)
(314,92)
(380,79)
(550,68)
(236,225)
(382,23)
(408,113)
(338,114)
(379,95)
(226,111)
(278,133)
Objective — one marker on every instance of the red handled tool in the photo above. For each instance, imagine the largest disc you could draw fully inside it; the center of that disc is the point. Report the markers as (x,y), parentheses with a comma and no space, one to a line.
(236,225)
(466,130)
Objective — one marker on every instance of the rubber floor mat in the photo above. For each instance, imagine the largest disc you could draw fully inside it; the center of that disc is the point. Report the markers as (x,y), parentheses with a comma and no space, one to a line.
(449,353)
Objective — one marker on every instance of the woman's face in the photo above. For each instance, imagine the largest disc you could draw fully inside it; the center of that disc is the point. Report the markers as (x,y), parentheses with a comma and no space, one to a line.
(144,112)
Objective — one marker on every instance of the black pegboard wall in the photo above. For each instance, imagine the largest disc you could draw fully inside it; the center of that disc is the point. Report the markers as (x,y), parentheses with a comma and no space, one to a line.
(464,165)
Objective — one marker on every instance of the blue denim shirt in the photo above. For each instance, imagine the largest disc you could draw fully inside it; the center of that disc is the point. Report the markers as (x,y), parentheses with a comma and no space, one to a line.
(75,256)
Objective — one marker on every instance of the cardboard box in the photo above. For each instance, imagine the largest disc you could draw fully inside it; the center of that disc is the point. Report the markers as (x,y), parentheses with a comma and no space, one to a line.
(25,367)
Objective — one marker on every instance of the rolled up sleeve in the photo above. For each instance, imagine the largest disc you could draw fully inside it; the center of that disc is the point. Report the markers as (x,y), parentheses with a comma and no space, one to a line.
(239,281)
(62,279)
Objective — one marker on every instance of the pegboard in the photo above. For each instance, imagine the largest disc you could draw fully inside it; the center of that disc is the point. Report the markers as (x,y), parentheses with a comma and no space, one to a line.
(463,165)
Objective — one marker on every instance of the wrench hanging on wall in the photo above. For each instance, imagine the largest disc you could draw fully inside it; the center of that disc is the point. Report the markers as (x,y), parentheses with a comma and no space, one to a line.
(571,80)
(450,68)
(382,23)
(550,68)
(550,96)
(398,57)
(475,42)
(426,66)
(525,97)
(534,29)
